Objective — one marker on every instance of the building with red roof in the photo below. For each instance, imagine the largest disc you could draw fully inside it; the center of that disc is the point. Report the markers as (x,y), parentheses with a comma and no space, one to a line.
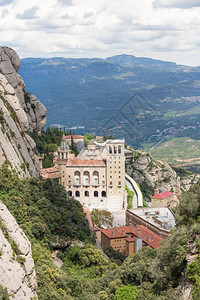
(129,239)
(51,173)
(166,198)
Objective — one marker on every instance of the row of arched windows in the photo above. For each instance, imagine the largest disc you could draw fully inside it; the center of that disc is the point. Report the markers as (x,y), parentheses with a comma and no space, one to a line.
(86,178)
(115,150)
(86,193)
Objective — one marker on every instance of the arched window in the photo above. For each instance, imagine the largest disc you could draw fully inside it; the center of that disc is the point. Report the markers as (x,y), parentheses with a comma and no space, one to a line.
(86,194)
(96,194)
(115,149)
(119,149)
(77,177)
(62,155)
(95,177)
(77,194)
(110,149)
(69,193)
(103,194)
(86,178)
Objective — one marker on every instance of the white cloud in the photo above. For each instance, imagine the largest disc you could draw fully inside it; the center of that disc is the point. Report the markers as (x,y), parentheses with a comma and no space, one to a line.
(176,3)
(160,29)
(28,13)
(5,2)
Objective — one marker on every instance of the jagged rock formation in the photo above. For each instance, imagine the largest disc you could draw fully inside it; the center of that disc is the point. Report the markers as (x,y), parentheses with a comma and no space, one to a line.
(17,271)
(153,174)
(20,112)
(189,180)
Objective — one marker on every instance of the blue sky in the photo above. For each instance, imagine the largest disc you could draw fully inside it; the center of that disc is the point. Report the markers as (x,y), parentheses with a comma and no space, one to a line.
(161,29)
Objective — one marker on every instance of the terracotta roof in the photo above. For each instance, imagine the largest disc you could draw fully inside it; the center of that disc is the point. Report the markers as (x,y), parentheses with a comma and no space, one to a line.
(163,195)
(50,173)
(148,236)
(49,170)
(85,162)
(68,137)
(130,240)
(51,176)
(113,233)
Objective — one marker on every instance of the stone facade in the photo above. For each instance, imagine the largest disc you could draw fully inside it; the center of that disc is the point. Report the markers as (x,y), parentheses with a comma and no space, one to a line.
(97,176)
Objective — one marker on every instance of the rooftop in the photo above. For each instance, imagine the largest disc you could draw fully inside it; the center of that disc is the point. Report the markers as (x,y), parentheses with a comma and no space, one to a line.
(85,162)
(163,195)
(68,137)
(50,173)
(160,217)
(148,236)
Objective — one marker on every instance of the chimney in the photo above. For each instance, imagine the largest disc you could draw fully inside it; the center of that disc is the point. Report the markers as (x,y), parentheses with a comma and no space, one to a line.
(112,233)
(149,238)
(138,231)
(156,191)
(123,232)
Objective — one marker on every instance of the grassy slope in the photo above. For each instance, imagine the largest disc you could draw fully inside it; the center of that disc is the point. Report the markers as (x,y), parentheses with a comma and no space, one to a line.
(179,152)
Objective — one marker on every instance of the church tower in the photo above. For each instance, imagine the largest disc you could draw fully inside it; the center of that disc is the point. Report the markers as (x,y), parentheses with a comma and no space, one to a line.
(63,151)
(115,171)
(63,156)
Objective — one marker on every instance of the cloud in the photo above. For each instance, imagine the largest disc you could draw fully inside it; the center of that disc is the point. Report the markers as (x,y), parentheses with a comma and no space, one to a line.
(5,2)
(66,2)
(88,14)
(28,13)
(4,12)
(176,3)
(103,28)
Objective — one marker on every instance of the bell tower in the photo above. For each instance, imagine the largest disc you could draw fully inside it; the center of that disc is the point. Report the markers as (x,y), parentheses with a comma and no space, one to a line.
(63,151)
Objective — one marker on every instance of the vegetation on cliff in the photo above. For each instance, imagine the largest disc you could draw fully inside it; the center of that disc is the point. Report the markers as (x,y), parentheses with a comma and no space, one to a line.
(44,211)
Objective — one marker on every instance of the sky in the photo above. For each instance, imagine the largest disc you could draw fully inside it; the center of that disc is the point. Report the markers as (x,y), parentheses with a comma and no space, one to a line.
(160,29)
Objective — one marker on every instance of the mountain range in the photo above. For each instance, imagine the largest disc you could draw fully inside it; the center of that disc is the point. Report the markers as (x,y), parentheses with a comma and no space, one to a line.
(141,99)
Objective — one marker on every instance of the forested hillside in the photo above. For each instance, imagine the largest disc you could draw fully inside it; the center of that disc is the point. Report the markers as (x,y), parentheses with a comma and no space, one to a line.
(46,215)
(141,99)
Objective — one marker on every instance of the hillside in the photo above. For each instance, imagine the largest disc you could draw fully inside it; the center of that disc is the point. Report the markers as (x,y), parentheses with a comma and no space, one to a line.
(142,99)
(179,152)
(170,272)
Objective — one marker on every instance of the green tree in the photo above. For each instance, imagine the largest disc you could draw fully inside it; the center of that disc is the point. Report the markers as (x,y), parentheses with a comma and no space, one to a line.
(102,218)
(126,293)
(3,293)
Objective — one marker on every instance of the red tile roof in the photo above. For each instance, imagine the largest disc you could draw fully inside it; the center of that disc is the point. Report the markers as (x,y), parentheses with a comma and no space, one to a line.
(114,233)
(50,173)
(85,162)
(148,236)
(163,195)
(130,240)
(68,137)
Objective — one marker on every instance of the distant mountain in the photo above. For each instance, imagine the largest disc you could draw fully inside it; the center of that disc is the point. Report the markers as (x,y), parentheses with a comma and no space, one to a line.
(139,98)
(131,60)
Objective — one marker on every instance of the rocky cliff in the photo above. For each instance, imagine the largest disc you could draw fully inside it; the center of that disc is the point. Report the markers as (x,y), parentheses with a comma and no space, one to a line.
(152,174)
(17,271)
(20,113)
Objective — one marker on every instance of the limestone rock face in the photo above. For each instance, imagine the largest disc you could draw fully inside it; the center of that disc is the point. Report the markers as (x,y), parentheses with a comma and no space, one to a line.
(17,271)
(35,110)
(20,113)
(189,180)
(153,174)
